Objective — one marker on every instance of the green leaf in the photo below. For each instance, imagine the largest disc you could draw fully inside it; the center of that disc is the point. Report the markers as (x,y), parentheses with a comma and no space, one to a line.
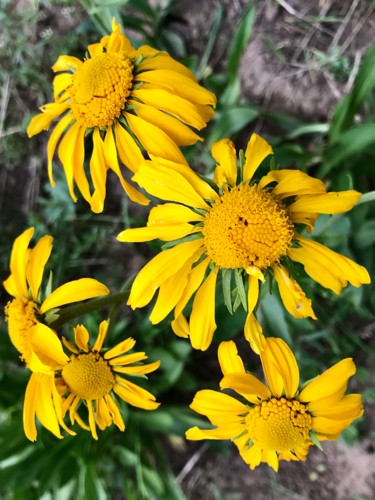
(227,290)
(240,287)
(240,40)
(315,440)
(231,121)
(348,107)
(216,23)
(365,236)
(350,143)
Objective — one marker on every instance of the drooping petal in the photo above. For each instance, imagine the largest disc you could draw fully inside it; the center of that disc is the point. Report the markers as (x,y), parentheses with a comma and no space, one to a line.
(224,154)
(134,395)
(330,269)
(66,152)
(29,407)
(257,150)
(292,183)
(180,133)
(47,346)
(98,171)
(333,380)
(74,291)
(180,326)
(39,256)
(195,279)
(128,150)
(254,333)
(153,139)
(202,318)
(245,383)
(292,295)
(44,408)
(59,129)
(280,367)
(103,415)
(42,121)
(92,423)
(18,263)
(159,269)
(230,361)
(115,412)
(326,203)
(252,294)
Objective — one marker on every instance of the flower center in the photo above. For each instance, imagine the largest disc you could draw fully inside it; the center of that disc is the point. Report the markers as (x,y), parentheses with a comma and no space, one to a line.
(279,424)
(247,227)
(88,376)
(99,89)
(21,316)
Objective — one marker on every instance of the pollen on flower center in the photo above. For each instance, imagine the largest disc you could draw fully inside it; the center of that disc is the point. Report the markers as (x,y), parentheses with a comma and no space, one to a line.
(88,376)
(100,88)
(247,227)
(21,316)
(279,424)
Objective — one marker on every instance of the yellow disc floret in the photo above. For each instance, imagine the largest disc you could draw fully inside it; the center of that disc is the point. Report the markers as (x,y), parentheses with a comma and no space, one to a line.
(100,88)
(88,376)
(247,226)
(279,424)
(21,315)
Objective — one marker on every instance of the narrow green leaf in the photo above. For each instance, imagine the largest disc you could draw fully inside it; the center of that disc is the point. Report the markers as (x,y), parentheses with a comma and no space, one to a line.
(237,299)
(240,40)
(229,122)
(315,440)
(227,292)
(240,287)
(216,23)
(367,197)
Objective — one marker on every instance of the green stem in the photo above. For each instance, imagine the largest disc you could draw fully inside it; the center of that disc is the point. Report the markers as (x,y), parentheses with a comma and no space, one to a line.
(73,312)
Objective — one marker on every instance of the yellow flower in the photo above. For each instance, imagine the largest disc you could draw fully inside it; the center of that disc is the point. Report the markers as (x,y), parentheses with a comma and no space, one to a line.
(132,100)
(281,421)
(245,228)
(38,344)
(90,376)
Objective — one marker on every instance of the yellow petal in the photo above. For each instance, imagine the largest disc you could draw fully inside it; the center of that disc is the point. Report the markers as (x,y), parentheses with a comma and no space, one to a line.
(29,408)
(103,415)
(128,150)
(18,262)
(92,423)
(252,294)
(98,171)
(224,153)
(257,150)
(120,348)
(66,152)
(255,272)
(306,218)
(45,409)
(39,256)
(225,432)
(293,297)
(164,233)
(113,409)
(134,395)
(170,214)
(159,269)
(74,291)
(103,329)
(280,367)
(180,133)
(326,203)
(42,121)
(81,337)
(291,183)
(171,104)
(327,267)
(195,279)
(254,333)
(168,184)
(60,83)
(61,126)
(245,383)
(218,407)
(202,318)
(230,361)
(324,425)
(252,456)
(161,60)
(67,63)
(350,407)
(153,139)
(47,346)
(333,380)
(78,167)
(138,370)
(180,326)
(171,290)
(178,84)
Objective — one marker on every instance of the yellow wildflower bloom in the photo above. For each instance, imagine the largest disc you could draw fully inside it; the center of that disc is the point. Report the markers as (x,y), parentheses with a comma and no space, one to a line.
(38,344)
(279,421)
(242,227)
(90,376)
(132,100)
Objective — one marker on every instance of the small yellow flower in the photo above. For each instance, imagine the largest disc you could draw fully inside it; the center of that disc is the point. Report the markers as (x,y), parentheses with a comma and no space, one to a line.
(243,227)
(38,344)
(279,421)
(92,376)
(132,101)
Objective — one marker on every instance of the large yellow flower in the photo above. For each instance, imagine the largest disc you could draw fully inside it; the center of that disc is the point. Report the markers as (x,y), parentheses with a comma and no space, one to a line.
(38,344)
(281,421)
(132,101)
(246,229)
(90,376)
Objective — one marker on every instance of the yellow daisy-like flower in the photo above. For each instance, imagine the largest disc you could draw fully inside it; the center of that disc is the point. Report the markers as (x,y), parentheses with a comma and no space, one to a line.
(92,376)
(38,344)
(242,227)
(279,421)
(132,100)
